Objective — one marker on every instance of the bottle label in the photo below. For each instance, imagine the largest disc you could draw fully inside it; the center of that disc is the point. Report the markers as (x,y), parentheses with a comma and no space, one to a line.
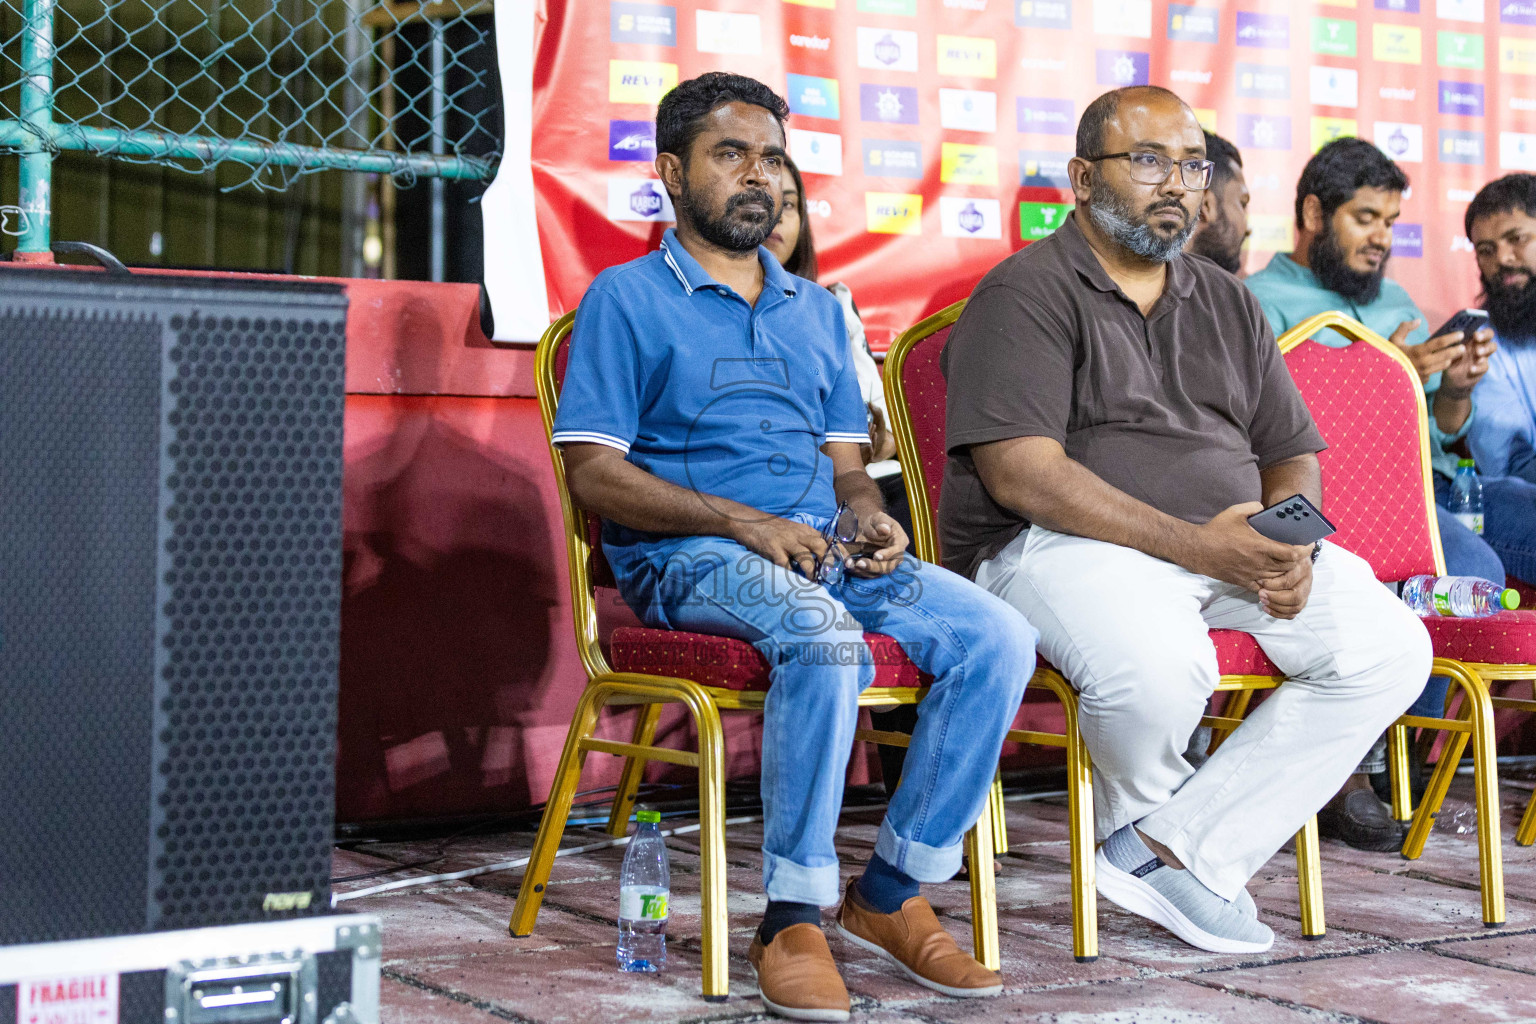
(1440,596)
(642,906)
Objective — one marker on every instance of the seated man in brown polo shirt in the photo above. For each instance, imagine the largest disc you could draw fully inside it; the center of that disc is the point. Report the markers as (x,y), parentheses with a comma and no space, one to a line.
(1117,409)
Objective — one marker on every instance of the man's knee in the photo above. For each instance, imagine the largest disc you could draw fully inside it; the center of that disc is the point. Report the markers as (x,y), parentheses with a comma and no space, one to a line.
(1161,693)
(999,646)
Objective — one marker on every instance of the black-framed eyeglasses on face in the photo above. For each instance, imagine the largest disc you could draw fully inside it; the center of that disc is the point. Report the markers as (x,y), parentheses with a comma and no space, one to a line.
(1154,168)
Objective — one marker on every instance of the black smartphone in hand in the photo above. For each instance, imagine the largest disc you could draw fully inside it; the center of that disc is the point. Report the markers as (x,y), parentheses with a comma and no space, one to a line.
(1292,521)
(1468,322)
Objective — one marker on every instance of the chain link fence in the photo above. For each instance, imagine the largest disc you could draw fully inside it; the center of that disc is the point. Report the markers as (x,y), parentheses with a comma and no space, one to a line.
(281,88)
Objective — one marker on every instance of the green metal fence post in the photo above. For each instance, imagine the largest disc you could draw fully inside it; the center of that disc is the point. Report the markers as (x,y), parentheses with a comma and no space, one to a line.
(35,178)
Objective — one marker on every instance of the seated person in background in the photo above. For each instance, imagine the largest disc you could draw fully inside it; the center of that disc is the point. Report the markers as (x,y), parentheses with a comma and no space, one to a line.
(710,416)
(1347,199)
(1501,222)
(1222,227)
(1116,412)
(791,242)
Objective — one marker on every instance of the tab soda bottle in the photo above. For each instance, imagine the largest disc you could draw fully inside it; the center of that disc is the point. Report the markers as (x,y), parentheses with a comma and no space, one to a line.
(1466,502)
(644,886)
(1463,597)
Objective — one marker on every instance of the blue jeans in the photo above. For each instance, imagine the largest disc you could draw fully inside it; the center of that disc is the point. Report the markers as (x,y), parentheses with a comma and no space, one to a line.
(1466,554)
(1509,524)
(979,650)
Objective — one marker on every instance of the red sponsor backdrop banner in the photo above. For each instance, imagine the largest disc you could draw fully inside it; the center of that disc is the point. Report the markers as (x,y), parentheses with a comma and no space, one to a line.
(934,134)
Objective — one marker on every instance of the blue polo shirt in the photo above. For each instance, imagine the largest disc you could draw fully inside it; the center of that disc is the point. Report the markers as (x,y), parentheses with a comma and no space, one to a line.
(1503,440)
(699,388)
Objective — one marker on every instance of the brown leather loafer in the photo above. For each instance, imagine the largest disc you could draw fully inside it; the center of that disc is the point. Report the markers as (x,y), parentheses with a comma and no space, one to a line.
(797,977)
(914,941)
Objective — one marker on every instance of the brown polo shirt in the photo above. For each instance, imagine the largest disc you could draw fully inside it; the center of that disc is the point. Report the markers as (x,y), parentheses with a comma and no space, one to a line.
(1180,409)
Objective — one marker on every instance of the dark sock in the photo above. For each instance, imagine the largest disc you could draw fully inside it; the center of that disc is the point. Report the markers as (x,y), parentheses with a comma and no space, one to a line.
(782,913)
(884,887)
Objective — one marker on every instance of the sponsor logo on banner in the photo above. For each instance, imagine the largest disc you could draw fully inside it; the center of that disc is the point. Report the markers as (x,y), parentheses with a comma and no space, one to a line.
(1205,117)
(1189,75)
(887,49)
(1335,87)
(811,42)
(1465,98)
(1190,24)
(1263,81)
(1458,147)
(1268,30)
(1046,115)
(1042,13)
(1517,12)
(1040,220)
(639,81)
(893,213)
(892,158)
(1333,37)
(650,24)
(1407,240)
(1517,56)
(78,999)
(1122,67)
(813,97)
(905,8)
(1459,10)
(892,104)
(1517,151)
(1123,18)
(632,140)
(1522,103)
(722,32)
(1401,142)
(964,164)
(1398,44)
(1392,92)
(638,199)
(1272,232)
(965,5)
(1042,64)
(826,5)
(1459,50)
(1401,6)
(968,110)
(967,56)
(1326,129)
(1264,131)
(1040,168)
(970,218)
(816,152)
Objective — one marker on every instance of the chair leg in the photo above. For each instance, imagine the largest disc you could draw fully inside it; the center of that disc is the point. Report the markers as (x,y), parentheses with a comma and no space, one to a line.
(1085,907)
(1398,750)
(1235,707)
(1485,779)
(1526,833)
(999,815)
(1434,794)
(978,848)
(714,910)
(530,894)
(634,771)
(1309,880)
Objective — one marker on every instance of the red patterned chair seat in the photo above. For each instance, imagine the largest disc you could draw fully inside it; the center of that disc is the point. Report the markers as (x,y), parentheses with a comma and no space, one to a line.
(732,664)
(1239,654)
(1508,638)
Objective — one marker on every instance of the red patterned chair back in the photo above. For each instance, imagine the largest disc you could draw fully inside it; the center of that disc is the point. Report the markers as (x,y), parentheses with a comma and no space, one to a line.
(597,563)
(915,399)
(1369,406)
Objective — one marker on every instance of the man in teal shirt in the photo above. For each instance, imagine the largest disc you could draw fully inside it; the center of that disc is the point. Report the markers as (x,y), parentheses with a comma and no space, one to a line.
(1347,199)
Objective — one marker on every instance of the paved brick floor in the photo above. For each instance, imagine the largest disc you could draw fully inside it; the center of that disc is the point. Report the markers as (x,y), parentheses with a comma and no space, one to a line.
(1405,943)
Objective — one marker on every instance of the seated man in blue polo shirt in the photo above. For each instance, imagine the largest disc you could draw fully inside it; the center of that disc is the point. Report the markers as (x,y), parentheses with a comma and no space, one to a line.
(710,415)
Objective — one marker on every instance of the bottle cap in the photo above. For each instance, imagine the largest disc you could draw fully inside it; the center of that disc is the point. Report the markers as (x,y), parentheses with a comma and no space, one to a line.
(1510,599)
(652,817)
(1462,463)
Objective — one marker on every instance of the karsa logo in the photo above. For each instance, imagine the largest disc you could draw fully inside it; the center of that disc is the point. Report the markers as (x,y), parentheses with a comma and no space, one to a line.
(639,81)
(1333,37)
(1040,220)
(1272,31)
(1335,87)
(1458,147)
(1122,67)
(1039,168)
(1326,129)
(1464,98)
(1459,50)
(631,140)
(962,217)
(722,32)
(964,164)
(1042,13)
(892,104)
(1263,81)
(893,213)
(1046,116)
(813,97)
(1407,240)
(967,56)
(646,202)
(1397,44)
(893,158)
(648,24)
(1264,131)
(816,152)
(1517,151)
(1190,24)
(1459,10)
(1123,18)
(1517,12)
(638,199)
(968,110)
(1401,6)
(811,42)
(887,49)
(1401,142)
(1517,56)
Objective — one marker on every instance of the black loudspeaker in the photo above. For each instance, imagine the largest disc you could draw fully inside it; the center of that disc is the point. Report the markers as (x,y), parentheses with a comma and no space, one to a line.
(170,573)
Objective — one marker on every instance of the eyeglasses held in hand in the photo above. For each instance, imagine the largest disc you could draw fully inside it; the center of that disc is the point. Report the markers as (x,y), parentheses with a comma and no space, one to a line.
(1155,168)
(841,529)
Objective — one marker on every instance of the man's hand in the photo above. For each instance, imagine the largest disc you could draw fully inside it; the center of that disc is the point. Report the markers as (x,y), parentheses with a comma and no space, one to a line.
(1462,376)
(1434,356)
(1230,550)
(1285,596)
(890,542)
(785,543)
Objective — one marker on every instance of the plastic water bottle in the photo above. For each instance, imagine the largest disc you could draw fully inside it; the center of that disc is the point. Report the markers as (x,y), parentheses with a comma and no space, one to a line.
(644,886)
(1467,496)
(1464,597)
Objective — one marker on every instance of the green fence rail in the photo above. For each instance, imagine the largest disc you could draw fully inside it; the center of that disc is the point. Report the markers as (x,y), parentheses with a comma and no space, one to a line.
(281,87)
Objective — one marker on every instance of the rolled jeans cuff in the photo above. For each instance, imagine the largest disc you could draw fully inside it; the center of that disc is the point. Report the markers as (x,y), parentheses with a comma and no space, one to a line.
(924,863)
(784,880)
(1375,759)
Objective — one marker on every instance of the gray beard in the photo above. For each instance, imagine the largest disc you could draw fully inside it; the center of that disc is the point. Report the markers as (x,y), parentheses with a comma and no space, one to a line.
(1113,218)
